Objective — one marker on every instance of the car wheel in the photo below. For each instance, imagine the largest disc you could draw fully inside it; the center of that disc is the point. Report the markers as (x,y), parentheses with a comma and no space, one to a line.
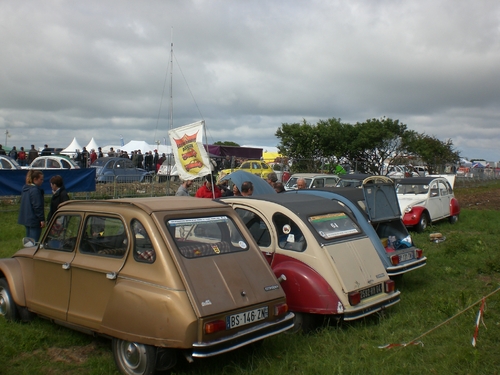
(303,323)
(453,219)
(133,358)
(423,223)
(8,308)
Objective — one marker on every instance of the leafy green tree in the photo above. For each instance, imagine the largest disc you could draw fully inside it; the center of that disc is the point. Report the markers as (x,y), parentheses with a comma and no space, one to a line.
(300,143)
(433,152)
(226,143)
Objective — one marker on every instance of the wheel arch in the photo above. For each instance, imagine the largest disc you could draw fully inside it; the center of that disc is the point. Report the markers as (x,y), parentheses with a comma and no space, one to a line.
(10,269)
(305,289)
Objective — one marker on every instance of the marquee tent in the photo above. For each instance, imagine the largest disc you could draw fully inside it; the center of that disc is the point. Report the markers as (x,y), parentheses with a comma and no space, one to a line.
(92,145)
(71,149)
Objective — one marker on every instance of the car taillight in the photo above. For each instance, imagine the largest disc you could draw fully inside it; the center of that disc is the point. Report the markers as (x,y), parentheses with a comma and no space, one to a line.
(280,309)
(394,260)
(354,298)
(419,253)
(390,286)
(215,326)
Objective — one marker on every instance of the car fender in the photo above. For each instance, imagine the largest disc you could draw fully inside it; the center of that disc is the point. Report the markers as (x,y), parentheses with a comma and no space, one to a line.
(454,207)
(11,270)
(150,314)
(306,290)
(413,217)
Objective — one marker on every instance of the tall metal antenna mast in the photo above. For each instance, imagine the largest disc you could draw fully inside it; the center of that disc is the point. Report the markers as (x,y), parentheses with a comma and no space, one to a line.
(171,120)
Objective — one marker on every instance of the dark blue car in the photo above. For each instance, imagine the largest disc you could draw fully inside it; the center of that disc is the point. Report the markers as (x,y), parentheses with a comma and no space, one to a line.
(119,170)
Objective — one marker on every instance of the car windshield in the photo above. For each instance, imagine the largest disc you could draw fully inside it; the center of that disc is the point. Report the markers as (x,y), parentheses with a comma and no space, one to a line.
(334,225)
(292,182)
(412,189)
(206,236)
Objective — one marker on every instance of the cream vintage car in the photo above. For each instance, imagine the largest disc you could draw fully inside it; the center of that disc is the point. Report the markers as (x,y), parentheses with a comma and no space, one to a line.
(159,276)
(327,264)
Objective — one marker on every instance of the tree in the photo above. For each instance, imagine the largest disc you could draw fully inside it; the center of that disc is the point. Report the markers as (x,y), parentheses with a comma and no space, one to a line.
(226,143)
(430,150)
(300,143)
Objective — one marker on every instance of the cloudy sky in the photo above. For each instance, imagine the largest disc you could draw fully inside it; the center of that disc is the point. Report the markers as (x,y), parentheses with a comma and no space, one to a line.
(101,68)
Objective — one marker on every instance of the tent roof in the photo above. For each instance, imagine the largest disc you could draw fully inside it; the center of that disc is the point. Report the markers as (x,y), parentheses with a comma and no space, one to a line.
(137,145)
(92,145)
(74,145)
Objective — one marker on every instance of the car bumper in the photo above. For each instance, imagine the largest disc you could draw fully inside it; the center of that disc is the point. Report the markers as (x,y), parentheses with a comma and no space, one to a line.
(242,338)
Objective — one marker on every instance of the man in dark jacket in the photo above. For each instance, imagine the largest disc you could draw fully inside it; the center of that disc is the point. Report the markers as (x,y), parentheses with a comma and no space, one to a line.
(59,195)
(31,212)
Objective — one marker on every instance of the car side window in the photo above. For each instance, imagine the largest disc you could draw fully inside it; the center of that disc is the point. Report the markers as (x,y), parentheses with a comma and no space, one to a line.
(120,164)
(256,226)
(105,236)
(5,164)
(290,237)
(318,183)
(256,165)
(63,232)
(65,163)
(443,188)
(39,163)
(143,248)
(128,164)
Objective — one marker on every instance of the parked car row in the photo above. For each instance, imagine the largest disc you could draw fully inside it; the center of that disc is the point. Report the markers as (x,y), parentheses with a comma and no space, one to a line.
(169,275)
(41,163)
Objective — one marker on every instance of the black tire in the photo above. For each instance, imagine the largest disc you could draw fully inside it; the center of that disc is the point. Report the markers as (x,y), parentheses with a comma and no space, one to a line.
(304,323)
(453,219)
(8,308)
(423,223)
(133,358)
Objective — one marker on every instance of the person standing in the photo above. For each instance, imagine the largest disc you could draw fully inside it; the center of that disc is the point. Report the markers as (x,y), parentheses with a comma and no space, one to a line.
(93,156)
(208,190)
(13,153)
(32,210)
(45,151)
(21,157)
(85,158)
(59,195)
(183,190)
(99,153)
(32,154)
(2,151)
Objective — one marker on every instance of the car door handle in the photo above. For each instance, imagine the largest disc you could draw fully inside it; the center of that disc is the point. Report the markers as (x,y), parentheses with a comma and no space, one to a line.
(111,275)
(66,266)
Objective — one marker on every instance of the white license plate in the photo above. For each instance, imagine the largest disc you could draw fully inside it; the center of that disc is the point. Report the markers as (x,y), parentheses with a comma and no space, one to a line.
(247,317)
(406,256)
(371,291)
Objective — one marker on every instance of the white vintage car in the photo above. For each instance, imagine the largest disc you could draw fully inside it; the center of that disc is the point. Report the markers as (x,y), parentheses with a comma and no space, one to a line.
(424,200)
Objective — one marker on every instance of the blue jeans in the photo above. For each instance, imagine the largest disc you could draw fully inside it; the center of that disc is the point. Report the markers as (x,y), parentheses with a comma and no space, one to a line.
(34,232)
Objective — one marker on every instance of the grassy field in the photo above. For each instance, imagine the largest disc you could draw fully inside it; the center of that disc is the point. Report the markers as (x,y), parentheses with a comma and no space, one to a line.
(438,309)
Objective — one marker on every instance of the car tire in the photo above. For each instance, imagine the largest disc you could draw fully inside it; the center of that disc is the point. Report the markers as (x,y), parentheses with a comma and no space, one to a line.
(304,323)
(133,358)
(453,219)
(8,308)
(423,223)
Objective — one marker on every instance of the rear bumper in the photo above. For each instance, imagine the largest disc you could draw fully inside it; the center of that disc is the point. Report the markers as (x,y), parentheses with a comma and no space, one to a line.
(242,338)
(406,267)
(355,312)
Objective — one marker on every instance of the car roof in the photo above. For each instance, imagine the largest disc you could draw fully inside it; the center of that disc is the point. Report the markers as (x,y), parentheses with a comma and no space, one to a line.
(354,176)
(416,180)
(303,205)
(311,175)
(149,205)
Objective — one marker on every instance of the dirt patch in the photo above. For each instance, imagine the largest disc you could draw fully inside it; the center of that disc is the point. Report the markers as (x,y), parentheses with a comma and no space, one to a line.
(72,355)
(478,200)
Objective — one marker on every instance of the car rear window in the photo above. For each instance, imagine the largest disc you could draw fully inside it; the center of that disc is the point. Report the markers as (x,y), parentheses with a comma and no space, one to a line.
(206,236)
(334,225)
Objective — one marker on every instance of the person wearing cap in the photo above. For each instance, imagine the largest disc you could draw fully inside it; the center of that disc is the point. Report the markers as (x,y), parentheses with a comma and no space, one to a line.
(209,189)
(272,177)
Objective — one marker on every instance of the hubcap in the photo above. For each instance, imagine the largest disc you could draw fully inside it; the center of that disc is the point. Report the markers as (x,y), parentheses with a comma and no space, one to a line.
(4,303)
(134,356)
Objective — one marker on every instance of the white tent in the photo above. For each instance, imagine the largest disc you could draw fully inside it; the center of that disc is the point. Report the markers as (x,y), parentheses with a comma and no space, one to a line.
(92,145)
(71,149)
(137,145)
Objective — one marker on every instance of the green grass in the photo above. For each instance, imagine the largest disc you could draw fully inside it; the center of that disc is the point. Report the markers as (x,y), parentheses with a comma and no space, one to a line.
(459,272)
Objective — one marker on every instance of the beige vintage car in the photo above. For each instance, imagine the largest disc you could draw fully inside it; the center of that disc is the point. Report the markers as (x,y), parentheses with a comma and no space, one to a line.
(327,264)
(158,275)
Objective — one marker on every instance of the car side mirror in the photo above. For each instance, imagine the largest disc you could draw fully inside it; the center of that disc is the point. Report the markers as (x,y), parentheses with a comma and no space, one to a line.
(28,242)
